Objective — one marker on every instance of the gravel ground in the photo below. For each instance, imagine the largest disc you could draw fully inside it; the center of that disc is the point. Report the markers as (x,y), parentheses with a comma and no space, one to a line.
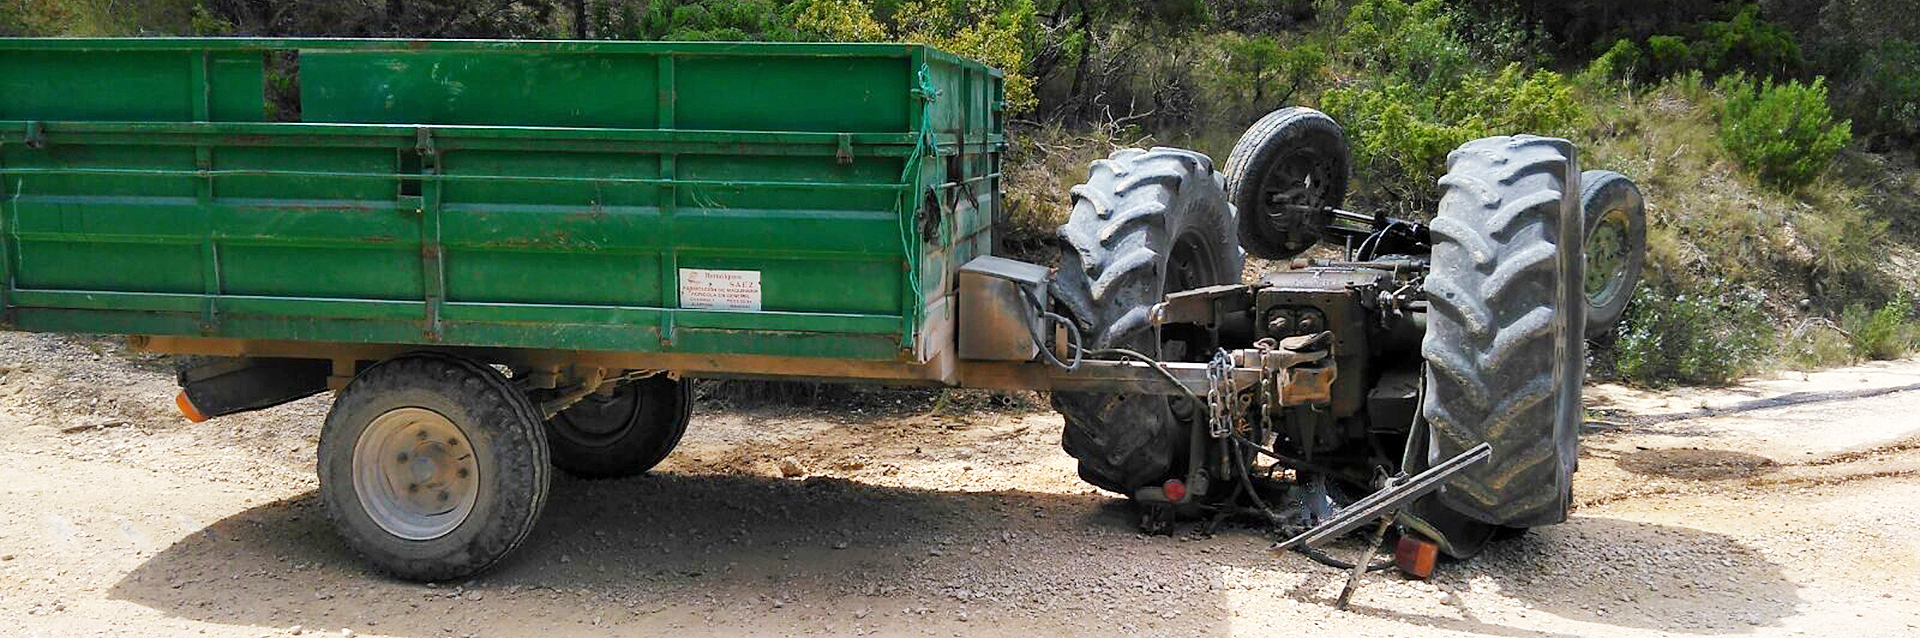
(1781,507)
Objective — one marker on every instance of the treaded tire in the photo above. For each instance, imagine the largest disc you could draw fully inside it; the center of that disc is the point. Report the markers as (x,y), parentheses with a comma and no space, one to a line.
(508,446)
(624,435)
(1504,334)
(1295,133)
(1606,196)
(1144,224)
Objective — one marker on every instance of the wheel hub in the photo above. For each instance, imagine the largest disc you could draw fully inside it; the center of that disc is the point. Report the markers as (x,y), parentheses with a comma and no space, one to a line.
(1293,190)
(1606,257)
(415,474)
(600,420)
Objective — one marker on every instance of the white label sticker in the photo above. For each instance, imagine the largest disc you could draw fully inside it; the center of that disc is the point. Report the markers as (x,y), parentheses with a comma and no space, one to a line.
(719,289)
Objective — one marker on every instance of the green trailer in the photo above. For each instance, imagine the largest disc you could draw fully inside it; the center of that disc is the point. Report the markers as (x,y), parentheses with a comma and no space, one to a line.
(518,248)
(511,256)
(693,200)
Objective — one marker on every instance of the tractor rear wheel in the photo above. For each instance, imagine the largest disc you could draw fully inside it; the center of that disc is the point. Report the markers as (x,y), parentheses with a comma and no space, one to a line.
(1504,333)
(1145,223)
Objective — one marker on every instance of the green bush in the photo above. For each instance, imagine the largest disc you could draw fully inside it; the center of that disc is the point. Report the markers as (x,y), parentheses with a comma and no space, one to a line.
(1748,44)
(1668,54)
(836,21)
(1402,42)
(1401,135)
(1880,334)
(1711,334)
(1783,133)
(1883,93)
(1258,72)
(1622,61)
(998,33)
(1817,345)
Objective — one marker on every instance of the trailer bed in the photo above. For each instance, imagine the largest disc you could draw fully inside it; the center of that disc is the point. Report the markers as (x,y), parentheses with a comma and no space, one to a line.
(758,200)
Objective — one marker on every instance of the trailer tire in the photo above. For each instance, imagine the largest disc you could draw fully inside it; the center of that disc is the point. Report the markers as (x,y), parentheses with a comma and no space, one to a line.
(621,435)
(461,437)
(1504,333)
(1145,223)
(1293,144)
(1614,216)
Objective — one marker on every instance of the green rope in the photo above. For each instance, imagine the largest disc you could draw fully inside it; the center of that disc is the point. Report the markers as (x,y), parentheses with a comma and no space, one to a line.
(923,146)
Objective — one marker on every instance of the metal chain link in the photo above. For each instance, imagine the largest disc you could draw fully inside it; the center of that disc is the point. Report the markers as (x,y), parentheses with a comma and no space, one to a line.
(1220,395)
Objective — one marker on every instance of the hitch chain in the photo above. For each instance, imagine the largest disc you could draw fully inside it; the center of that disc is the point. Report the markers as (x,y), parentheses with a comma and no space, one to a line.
(1220,395)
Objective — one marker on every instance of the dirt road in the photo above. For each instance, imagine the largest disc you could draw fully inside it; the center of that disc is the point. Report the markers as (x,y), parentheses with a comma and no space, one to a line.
(1779,508)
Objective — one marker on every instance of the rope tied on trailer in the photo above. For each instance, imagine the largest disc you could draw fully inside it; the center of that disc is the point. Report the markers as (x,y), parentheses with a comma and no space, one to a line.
(924,145)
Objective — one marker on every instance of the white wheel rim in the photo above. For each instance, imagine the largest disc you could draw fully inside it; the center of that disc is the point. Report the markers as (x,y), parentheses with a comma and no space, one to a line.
(415,473)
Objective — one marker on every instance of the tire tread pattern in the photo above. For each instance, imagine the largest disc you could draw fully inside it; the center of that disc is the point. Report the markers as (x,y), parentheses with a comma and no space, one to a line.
(517,442)
(1248,161)
(1496,337)
(1116,245)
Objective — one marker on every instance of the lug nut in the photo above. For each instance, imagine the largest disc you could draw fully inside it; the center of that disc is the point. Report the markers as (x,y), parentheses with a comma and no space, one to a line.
(444,496)
(403,457)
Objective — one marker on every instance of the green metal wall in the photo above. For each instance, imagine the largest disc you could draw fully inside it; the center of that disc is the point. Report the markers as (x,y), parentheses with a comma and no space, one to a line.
(523,194)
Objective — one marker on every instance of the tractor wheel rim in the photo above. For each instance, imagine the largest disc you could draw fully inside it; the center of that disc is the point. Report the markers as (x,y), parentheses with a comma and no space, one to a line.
(1298,178)
(1190,265)
(415,473)
(1606,255)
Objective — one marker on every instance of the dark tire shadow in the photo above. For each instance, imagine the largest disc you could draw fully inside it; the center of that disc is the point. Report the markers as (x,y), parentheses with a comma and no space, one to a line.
(730,554)
(1640,576)
(1765,403)
(1696,464)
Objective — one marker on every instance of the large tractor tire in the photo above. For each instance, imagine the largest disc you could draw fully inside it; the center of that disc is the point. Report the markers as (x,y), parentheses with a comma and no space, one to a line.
(433,467)
(1145,223)
(624,433)
(1285,170)
(1504,336)
(1615,220)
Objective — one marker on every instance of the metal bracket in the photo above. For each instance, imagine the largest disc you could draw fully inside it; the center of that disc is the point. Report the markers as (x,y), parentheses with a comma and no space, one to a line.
(844,154)
(423,143)
(36,135)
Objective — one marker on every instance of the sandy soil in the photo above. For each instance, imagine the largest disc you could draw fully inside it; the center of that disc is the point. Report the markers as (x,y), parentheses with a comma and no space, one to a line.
(1781,507)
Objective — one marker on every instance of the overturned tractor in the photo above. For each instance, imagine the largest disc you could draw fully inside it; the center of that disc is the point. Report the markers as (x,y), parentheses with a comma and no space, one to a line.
(1339,384)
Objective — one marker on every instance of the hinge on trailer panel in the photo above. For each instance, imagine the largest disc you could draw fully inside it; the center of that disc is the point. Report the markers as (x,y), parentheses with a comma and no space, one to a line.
(36,135)
(423,142)
(844,154)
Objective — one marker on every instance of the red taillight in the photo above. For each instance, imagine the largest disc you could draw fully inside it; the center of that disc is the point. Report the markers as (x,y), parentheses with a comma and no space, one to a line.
(1175,489)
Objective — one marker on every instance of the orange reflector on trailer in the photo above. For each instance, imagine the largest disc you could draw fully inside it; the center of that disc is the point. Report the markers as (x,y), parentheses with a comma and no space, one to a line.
(1415,556)
(186,407)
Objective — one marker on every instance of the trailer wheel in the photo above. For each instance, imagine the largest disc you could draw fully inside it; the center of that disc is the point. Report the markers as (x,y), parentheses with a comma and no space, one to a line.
(1283,172)
(1144,224)
(624,434)
(1504,334)
(1615,219)
(432,466)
